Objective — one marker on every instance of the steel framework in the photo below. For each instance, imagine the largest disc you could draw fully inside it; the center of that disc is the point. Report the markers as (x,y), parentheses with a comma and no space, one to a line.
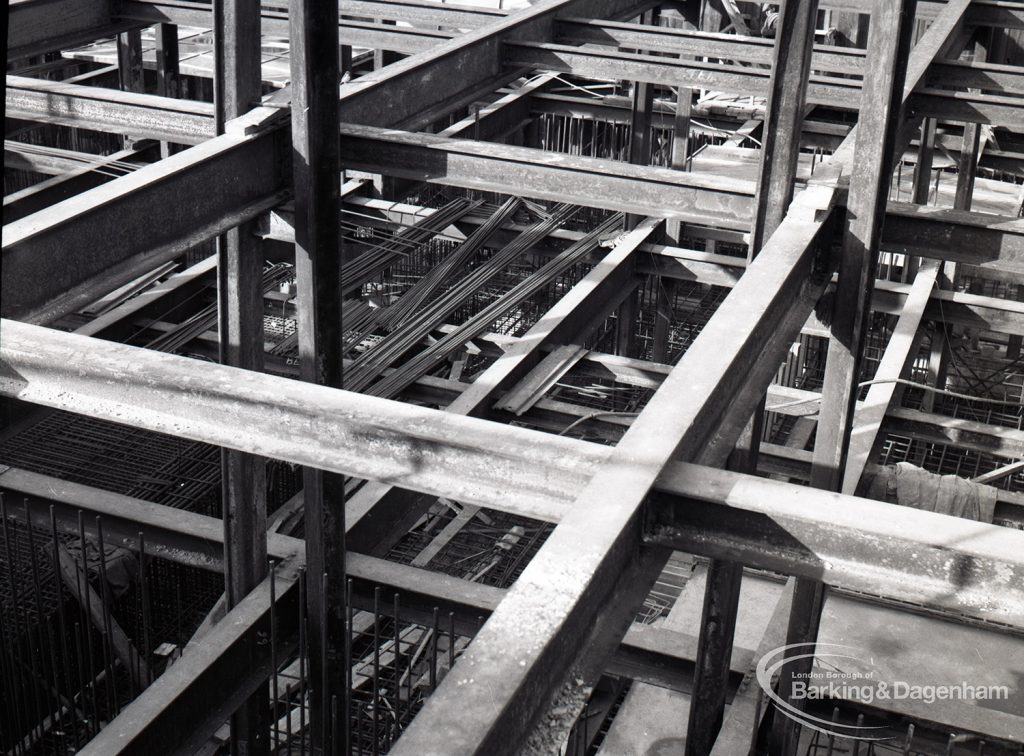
(260,172)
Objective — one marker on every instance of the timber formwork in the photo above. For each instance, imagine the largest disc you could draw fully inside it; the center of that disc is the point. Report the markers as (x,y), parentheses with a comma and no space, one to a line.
(427,366)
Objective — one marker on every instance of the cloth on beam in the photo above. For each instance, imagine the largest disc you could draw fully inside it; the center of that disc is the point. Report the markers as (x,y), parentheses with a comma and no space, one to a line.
(911,486)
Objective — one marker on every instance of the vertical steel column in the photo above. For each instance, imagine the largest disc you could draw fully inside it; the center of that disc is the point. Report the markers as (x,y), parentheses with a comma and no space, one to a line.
(168,74)
(640,122)
(850,28)
(129,61)
(889,42)
(681,130)
(783,125)
(639,154)
(784,119)
(888,45)
(382,58)
(712,19)
(663,318)
(714,651)
(922,188)
(680,148)
(317,170)
(674,229)
(712,16)
(129,67)
(967,166)
(925,161)
(240,305)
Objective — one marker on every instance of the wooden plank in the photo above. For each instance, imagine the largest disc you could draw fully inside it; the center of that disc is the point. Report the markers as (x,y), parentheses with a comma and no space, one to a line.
(444,537)
(540,380)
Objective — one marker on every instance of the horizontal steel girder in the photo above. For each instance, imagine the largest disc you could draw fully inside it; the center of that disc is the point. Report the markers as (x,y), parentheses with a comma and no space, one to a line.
(658,657)
(978,573)
(137,115)
(59,259)
(658,192)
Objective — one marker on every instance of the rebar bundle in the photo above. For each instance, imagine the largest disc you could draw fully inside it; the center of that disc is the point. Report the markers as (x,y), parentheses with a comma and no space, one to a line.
(378,258)
(435,278)
(414,299)
(426,360)
(206,318)
(373,362)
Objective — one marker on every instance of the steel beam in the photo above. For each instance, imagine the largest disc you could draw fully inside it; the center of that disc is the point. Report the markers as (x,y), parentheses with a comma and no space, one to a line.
(131,113)
(580,588)
(660,192)
(970,107)
(988,241)
(421,13)
(411,87)
(386,509)
(318,261)
(58,260)
(18,205)
(181,710)
(889,42)
(237,90)
(275,22)
(992,242)
(984,438)
(921,569)
(31,25)
(988,77)
(611,64)
(899,353)
(235,408)
(780,149)
(663,658)
(221,405)
(731,47)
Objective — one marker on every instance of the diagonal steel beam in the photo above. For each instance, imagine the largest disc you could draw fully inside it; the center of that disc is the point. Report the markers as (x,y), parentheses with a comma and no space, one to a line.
(577,593)
(56,260)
